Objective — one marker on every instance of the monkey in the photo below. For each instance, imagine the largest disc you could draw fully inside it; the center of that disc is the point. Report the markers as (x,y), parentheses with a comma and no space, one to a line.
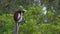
(18,15)
(18,18)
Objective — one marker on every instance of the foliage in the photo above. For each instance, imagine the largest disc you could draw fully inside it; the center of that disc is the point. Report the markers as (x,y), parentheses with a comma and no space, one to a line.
(6,24)
(32,17)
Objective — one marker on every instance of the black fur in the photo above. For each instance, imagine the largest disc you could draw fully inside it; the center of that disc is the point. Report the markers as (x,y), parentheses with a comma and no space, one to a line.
(20,11)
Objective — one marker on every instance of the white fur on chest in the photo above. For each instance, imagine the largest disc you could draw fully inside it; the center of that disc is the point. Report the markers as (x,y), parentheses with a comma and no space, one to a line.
(19,17)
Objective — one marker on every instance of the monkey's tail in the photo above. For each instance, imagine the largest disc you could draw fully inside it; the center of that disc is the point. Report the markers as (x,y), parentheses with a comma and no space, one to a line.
(16,28)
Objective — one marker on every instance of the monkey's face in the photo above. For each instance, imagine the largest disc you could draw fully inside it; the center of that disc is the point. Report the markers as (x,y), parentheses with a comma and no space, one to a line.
(23,11)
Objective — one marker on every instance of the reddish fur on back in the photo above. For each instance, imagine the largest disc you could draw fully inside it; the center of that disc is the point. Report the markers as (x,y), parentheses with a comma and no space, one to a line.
(15,16)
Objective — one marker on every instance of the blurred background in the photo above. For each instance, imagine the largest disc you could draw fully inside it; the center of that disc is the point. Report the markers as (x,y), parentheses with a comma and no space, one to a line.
(42,16)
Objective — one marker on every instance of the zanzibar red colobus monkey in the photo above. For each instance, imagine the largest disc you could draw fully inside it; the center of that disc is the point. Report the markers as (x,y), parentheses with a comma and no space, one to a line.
(18,18)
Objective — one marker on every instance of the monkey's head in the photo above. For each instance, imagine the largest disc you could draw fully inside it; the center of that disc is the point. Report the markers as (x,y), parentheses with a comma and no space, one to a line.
(21,11)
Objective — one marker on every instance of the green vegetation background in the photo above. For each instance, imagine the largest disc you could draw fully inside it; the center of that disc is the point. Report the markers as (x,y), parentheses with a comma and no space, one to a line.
(34,17)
